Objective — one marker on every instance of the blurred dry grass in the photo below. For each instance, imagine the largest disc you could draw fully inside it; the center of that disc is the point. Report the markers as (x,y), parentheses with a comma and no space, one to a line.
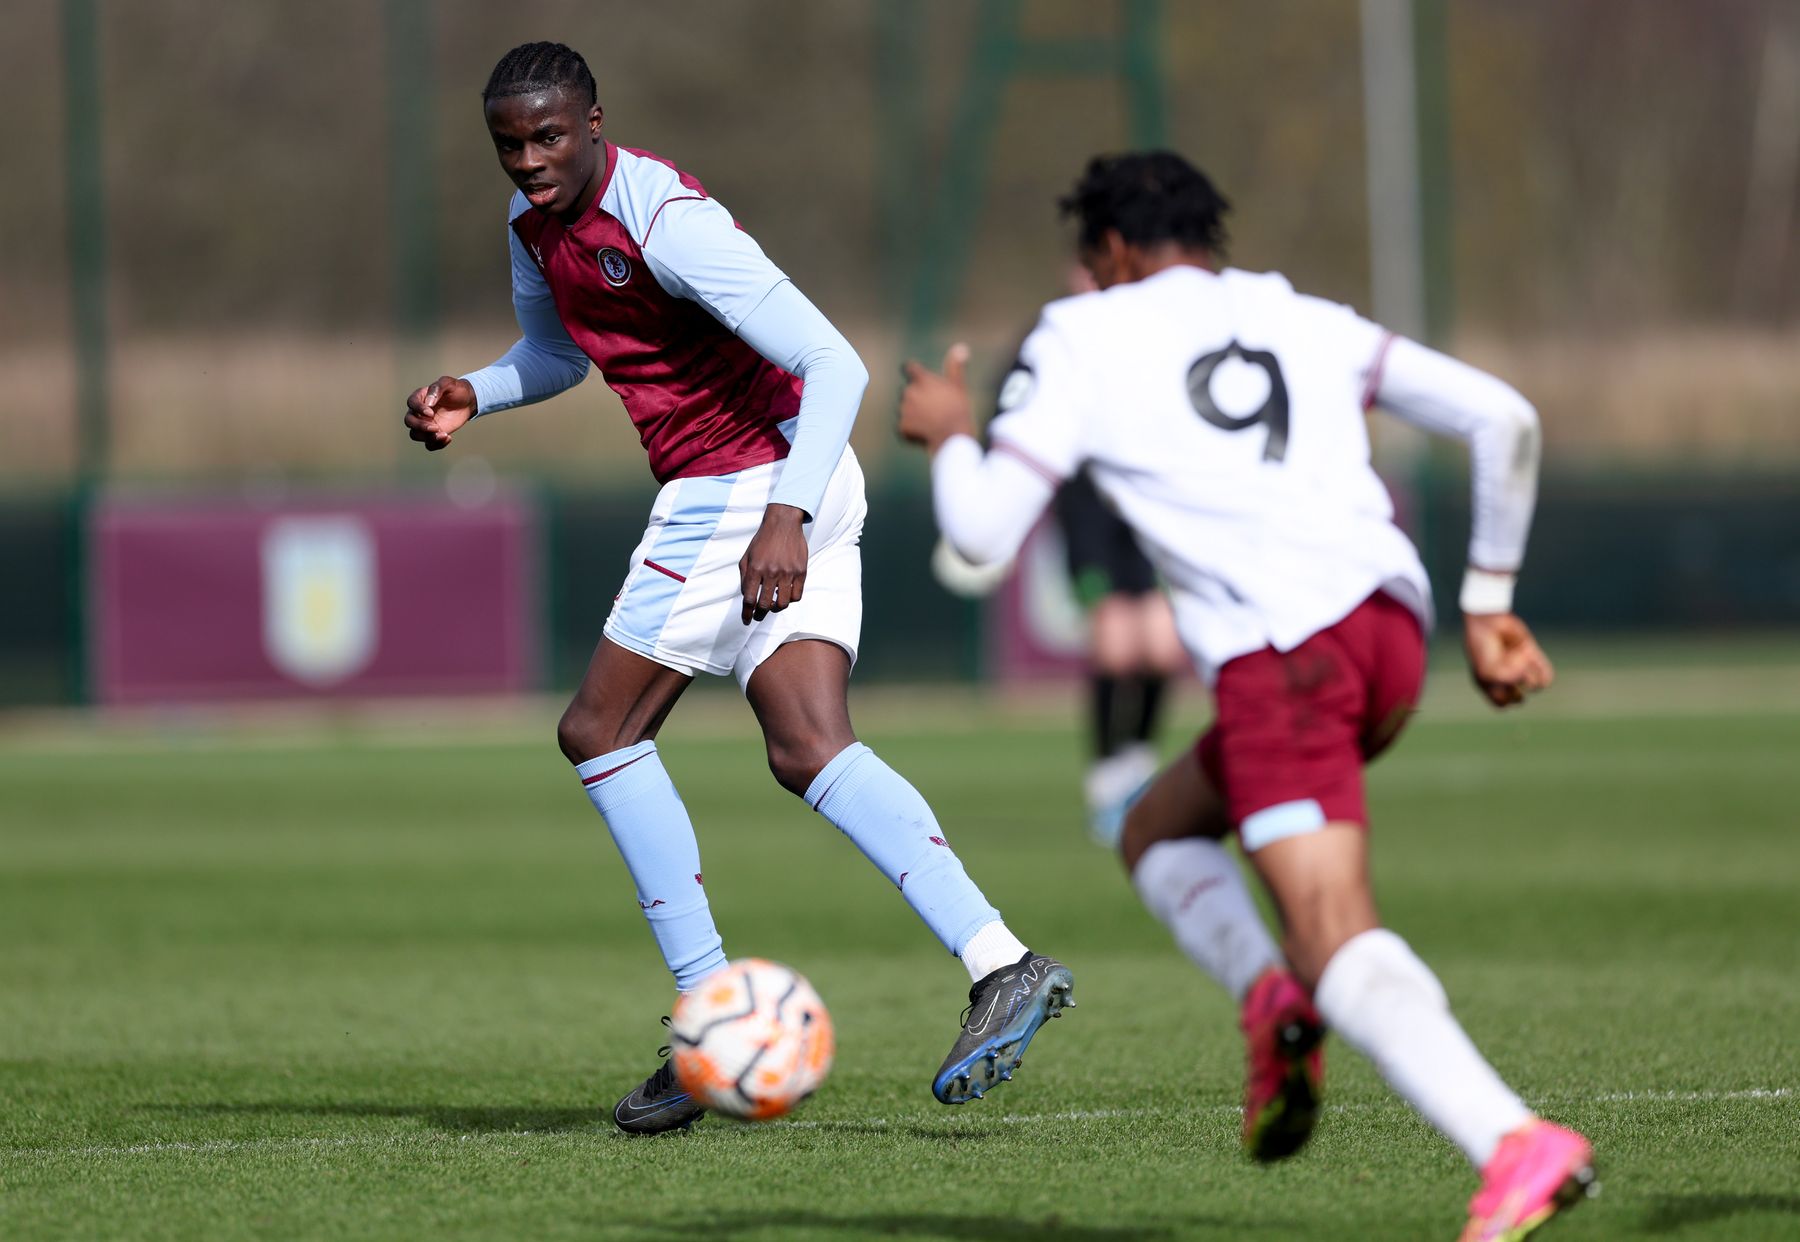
(1687,396)
(261,405)
(255,404)
(1602,158)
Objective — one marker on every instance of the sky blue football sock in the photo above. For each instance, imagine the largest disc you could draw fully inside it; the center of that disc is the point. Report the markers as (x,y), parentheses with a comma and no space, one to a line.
(650,826)
(890,823)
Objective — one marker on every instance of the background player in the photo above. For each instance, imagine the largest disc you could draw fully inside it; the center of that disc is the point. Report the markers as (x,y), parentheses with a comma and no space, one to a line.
(1132,646)
(744,395)
(1222,413)
(1133,650)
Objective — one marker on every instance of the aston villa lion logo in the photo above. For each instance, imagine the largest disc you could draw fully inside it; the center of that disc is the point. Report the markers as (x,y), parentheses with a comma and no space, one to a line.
(319,609)
(615,267)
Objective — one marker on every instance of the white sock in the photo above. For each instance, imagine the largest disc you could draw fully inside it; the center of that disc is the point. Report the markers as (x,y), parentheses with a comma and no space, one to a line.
(1115,778)
(990,948)
(1195,890)
(1386,1003)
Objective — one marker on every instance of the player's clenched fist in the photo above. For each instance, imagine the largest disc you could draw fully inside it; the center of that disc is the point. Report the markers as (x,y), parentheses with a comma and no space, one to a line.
(1504,658)
(773,567)
(436,411)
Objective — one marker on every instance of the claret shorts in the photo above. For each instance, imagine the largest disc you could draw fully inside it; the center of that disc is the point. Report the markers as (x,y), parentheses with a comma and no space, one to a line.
(1294,729)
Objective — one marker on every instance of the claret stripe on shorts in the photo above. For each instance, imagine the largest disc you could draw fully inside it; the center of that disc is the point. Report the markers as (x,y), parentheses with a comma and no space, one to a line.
(694,516)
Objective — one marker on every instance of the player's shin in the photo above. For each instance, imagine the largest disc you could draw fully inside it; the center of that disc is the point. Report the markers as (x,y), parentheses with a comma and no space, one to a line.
(1387,1004)
(649,824)
(1194,889)
(891,823)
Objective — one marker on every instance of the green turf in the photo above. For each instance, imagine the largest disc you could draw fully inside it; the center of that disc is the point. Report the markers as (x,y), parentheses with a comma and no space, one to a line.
(352,990)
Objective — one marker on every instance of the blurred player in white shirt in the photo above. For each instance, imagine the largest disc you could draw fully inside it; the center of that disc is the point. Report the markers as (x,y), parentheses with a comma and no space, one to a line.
(1222,414)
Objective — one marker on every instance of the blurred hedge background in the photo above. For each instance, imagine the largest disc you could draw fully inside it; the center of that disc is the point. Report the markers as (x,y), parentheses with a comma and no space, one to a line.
(1622,203)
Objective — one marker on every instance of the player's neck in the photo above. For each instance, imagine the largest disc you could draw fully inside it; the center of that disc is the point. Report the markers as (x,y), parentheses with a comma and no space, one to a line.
(1160,258)
(586,199)
(596,182)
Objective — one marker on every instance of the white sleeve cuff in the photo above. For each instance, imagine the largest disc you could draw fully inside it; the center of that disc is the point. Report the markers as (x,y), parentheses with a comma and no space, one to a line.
(1485,593)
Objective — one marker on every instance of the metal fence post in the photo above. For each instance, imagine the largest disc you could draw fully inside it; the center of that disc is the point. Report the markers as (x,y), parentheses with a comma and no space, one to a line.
(412,200)
(85,180)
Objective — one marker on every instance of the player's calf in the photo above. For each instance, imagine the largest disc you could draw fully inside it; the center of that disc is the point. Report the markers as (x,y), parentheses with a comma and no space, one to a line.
(1320,882)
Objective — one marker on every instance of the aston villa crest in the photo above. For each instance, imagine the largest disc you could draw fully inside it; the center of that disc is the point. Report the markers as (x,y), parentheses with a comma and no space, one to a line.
(614,266)
(319,597)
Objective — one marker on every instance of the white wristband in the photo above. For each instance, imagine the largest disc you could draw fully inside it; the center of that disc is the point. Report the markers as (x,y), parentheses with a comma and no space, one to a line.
(1485,592)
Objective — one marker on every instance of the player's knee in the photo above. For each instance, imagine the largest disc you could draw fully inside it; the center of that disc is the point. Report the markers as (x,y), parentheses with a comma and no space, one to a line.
(585,733)
(1178,804)
(573,732)
(795,761)
(1113,648)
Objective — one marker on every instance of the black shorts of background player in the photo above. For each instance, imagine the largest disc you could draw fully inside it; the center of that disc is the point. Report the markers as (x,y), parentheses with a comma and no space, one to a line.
(1133,650)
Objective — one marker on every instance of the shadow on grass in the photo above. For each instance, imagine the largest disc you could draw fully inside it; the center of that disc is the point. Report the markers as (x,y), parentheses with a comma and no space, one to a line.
(1672,1213)
(510,1120)
(444,1117)
(938,1133)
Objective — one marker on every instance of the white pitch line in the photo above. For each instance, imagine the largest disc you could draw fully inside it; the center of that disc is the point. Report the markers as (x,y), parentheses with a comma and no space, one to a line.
(1684,1097)
(219,1146)
(207,1146)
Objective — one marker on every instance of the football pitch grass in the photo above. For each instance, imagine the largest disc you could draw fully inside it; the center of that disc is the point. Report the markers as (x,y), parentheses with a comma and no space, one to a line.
(363,984)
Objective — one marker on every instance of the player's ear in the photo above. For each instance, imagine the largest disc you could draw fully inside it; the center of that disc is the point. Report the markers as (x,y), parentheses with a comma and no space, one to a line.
(596,120)
(1117,252)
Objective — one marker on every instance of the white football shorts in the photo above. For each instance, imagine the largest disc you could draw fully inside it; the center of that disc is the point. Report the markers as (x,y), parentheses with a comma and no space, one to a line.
(683,600)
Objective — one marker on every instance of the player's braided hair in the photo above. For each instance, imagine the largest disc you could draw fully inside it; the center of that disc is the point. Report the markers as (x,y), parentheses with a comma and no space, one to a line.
(533,67)
(1149,197)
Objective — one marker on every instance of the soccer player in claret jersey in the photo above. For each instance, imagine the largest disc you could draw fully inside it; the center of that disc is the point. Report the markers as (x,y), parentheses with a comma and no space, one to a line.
(1222,413)
(744,395)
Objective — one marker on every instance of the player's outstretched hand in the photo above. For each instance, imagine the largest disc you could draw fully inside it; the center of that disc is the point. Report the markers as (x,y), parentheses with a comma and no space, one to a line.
(436,411)
(935,407)
(773,567)
(1504,658)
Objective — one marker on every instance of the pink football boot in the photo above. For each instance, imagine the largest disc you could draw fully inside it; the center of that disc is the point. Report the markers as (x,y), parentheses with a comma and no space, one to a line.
(1538,1170)
(1286,1072)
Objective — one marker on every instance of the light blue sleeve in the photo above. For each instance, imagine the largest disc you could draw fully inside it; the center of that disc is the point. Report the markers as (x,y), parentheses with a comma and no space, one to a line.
(543,361)
(793,334)
(696,251)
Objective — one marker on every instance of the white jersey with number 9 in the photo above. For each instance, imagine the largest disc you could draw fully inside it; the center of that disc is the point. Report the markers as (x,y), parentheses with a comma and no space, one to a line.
(1223,415)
